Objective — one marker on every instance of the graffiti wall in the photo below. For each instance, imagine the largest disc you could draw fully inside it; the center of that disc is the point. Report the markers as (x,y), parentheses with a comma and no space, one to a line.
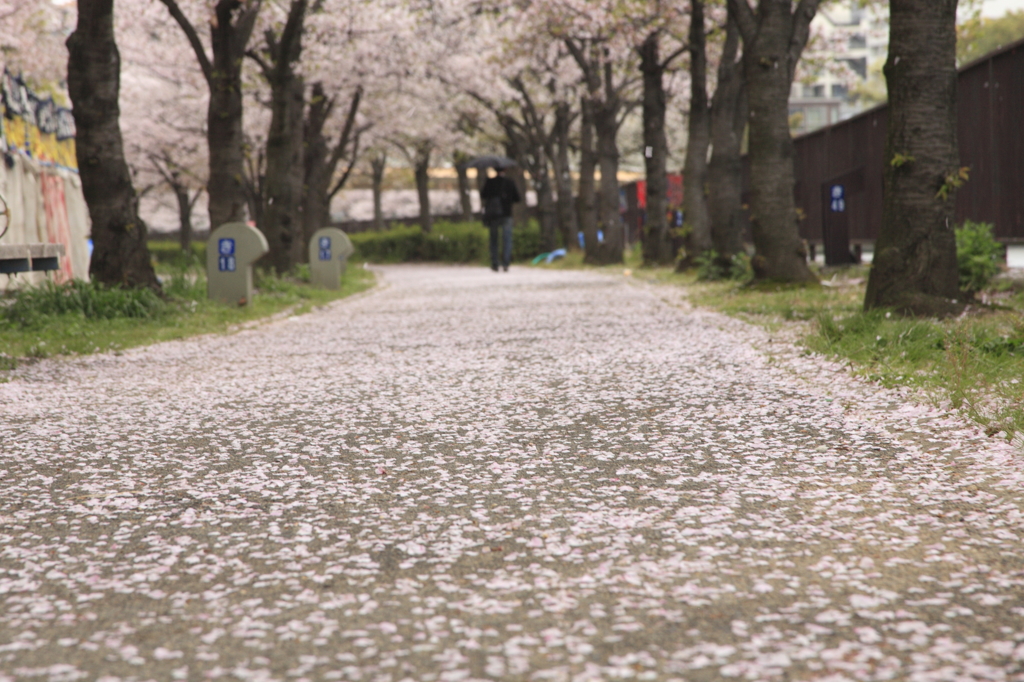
(39,181)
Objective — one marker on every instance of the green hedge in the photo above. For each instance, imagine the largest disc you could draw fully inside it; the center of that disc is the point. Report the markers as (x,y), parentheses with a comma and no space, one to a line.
(446,243)
(169,253)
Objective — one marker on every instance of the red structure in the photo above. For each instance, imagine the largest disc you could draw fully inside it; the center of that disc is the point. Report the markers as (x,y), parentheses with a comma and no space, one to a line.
(633,205)
(849,155)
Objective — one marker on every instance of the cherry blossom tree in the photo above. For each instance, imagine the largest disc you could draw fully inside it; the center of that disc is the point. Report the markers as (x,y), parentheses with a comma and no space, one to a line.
(774,35)
(120,255)
(231,24)
(163,97)
(32,35)
(278,56)
(915,267)
(725,169)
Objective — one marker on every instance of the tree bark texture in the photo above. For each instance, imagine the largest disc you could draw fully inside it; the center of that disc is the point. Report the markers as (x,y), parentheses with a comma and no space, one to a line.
(230,29)
(695,167)
(120,256)
(531,136)
(378,164)
(420,170)
(725,171)
(606,128)
(657,240)
(185,204)
(517,174)
(465,202)
(566,207)
(283,188)
(321,157)
(915,268)
(588,186)
(547,217)
(229,36)
(773,40)
(600,108)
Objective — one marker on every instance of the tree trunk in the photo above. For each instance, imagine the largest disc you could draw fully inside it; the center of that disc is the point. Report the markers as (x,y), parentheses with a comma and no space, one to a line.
(378,164)
(185,203)
(773,40)
(725,172)
(230,29)
(465,202)
(566,209)
(695,167)
(606,126)
(915,267)
(120,256)
(321,159)
(316,212)
(657,241)
(229,35)
(283,188)
(517,174)
(422,165)
(545,199)
(587,189)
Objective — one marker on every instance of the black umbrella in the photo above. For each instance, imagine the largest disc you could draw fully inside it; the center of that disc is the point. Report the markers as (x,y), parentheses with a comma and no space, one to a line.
(490,162)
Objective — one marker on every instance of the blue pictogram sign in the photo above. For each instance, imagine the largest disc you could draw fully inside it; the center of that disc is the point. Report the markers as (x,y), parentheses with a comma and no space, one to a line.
(838,203)
(226,258)
(325,248)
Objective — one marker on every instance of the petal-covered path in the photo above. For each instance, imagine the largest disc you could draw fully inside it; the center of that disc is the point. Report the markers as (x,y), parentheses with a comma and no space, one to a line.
(465,475)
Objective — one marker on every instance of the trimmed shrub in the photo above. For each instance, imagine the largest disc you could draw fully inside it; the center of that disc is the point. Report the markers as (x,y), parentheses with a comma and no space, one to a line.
(977,255)
(712,268)
(170,253)
(446,243)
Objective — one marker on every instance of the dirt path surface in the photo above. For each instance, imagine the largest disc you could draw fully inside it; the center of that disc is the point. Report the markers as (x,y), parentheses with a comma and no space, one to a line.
(527,476)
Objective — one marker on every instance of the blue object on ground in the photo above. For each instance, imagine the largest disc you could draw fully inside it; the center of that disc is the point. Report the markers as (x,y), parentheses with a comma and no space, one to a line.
(539,258)
(557,253)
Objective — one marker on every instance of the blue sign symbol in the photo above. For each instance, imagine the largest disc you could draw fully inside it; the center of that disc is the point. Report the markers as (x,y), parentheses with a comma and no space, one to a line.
(325,248)
(838,204)
(226,247)
(226,263)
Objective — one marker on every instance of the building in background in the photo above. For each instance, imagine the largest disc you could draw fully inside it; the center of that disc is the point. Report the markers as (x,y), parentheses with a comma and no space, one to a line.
(840,74)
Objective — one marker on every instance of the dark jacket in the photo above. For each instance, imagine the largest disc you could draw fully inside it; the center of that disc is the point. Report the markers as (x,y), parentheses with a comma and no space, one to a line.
(500,186)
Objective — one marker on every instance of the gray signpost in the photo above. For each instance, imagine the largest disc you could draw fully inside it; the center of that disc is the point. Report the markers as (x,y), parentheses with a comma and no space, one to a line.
(230,253)
(329,250)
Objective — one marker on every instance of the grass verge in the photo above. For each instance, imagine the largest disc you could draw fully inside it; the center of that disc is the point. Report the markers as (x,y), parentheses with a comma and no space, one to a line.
(79,319)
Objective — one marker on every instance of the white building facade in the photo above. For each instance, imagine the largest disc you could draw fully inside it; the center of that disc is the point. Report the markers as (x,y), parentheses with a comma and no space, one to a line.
(840,74)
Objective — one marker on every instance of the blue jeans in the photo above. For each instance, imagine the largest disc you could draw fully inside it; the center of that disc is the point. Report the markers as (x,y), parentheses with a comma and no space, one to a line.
(504,257)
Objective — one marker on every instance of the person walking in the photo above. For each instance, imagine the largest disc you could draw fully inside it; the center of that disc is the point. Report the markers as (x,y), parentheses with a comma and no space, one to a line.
(498,196)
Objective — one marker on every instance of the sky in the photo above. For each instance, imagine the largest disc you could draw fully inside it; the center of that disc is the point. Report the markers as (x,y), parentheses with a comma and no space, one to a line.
(997,8)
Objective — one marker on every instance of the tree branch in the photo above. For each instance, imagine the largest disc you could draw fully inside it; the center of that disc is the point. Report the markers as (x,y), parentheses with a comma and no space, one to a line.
(346,131)
(348,170)
(244,24)
(746,21)
(266,67)
(805,12)
(193,38)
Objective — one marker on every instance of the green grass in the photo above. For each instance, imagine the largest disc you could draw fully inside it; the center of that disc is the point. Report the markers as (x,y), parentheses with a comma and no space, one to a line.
(83,318)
